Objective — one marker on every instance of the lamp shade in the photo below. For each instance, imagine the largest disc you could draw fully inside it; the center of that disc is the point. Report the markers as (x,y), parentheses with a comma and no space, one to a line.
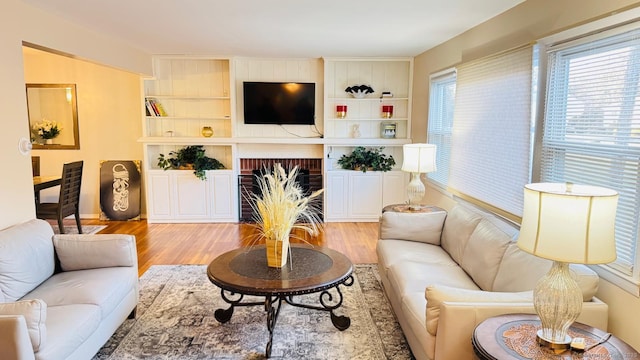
(569,223)
(419,158)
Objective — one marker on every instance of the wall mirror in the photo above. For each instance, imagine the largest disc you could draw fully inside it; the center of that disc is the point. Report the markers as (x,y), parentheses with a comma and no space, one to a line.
(53,116)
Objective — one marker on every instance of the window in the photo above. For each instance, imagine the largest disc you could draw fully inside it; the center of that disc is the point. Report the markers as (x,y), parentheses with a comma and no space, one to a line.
(592,125)
(441,103)
(491,138)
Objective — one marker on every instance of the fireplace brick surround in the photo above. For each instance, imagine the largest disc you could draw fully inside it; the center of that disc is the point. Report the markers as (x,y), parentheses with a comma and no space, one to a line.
(248,165)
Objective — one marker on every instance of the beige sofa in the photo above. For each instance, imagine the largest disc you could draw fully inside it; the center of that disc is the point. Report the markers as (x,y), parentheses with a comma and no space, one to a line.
(444,273)
(63,296)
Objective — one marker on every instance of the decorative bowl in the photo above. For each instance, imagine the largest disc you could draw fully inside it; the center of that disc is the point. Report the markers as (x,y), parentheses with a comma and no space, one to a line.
(359,94)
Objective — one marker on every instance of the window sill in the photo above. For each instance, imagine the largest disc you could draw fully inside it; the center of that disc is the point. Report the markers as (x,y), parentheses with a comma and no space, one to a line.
(625,282)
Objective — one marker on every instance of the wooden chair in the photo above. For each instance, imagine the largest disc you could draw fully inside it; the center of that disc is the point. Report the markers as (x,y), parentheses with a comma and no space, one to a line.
(35,165)
(69,199)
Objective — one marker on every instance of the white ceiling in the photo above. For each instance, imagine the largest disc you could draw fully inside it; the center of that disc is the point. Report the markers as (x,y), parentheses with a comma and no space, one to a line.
(279,28)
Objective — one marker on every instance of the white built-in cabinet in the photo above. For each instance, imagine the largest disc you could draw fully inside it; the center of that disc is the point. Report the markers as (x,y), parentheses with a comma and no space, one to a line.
(353,195)
(195,92)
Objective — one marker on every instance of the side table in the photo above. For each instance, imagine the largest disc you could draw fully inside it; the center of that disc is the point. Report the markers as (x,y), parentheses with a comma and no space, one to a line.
(404,208)
(513,336)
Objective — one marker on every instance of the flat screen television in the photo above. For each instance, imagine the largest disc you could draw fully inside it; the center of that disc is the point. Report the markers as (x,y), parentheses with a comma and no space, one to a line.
(281,103)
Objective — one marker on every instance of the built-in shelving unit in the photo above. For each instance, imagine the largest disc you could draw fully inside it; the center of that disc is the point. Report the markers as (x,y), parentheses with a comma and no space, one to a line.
(193,93)
(197,92)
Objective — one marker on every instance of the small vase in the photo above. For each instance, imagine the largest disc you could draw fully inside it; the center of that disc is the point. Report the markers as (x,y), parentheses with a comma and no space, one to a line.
(207,131)
(277,252)
(48,141)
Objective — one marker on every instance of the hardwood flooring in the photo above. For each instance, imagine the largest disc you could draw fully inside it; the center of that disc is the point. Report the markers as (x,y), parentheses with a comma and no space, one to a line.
(174,244)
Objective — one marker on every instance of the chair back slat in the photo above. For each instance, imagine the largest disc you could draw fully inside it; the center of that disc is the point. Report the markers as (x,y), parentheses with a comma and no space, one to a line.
(69,199)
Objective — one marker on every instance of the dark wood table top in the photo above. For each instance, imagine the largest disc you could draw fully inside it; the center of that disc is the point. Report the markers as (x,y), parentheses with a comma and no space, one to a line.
(513,336)
(310,269)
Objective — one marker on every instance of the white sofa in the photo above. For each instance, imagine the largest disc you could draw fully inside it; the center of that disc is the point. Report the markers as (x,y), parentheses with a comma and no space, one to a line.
(444,273)
(63,296)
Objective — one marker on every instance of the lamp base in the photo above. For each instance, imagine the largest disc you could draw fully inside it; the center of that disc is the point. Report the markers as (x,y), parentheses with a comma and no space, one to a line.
(556,347)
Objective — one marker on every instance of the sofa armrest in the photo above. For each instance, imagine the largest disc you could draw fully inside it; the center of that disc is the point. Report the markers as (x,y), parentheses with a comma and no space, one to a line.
(14,338)
(459,319)
(79,252)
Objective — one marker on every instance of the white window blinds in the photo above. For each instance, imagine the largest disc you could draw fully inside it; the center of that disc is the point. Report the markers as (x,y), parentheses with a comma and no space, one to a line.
(592,126)
(441,103)
(490,156)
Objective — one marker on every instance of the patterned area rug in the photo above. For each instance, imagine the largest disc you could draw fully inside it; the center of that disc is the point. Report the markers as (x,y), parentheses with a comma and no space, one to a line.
(175,321)
(73,229)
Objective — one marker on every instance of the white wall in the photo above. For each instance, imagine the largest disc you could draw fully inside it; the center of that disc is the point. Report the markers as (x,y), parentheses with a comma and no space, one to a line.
(20,22)
(526,22)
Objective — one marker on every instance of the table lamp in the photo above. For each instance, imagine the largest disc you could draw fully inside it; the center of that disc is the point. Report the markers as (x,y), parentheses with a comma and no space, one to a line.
(417,159)
(565,223)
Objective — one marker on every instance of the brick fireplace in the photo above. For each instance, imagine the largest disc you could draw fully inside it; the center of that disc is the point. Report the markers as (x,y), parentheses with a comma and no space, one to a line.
(310,170)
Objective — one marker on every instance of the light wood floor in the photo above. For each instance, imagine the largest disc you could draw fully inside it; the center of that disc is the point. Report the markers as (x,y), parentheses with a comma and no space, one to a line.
(174,244)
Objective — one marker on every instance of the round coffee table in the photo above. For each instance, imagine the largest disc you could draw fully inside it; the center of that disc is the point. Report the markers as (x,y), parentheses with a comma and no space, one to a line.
(513,336)
(310,269)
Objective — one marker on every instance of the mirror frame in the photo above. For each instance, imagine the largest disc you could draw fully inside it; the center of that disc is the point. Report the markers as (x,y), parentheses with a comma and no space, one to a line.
(69,122)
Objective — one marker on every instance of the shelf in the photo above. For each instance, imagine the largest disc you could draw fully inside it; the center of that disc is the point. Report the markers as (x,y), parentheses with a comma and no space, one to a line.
(186,97)
(368,119)
(159,140)
(226,117)
(369,99)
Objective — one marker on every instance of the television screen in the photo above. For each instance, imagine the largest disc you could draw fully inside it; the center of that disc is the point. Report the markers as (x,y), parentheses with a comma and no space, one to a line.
(279,103)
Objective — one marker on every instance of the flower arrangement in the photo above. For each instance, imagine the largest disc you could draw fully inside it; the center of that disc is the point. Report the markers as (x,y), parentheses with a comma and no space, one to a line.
(281,207)
(47,129)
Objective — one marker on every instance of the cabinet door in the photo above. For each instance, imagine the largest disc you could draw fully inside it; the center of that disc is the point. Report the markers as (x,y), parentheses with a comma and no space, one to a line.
(158,197)
(394,187)
(365,195)
(192,196)
(223,196)
(336,196)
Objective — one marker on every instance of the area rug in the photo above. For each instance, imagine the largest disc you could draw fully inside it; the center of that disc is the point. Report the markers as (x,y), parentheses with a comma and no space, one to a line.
(175,321)
(73,229)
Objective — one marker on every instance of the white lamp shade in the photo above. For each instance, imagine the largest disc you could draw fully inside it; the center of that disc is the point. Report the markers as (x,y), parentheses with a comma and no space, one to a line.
(569,223)
(419,158)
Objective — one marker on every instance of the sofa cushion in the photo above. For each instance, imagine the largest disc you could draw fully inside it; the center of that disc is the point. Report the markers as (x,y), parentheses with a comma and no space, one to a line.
(26,258)
(69,326)
(104,287)
(421,227)
(436,295)
(97,251)
(458,226)
(410,276)
(484,251)
(394,251)
(35,314)
(520,271)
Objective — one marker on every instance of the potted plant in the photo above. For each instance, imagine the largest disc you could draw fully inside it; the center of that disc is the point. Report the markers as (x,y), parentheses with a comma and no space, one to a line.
(190,157)
(364,159)
(281,207)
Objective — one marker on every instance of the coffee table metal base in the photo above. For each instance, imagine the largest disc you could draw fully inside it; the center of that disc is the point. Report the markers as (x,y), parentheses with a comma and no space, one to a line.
(272,305)
(314,270)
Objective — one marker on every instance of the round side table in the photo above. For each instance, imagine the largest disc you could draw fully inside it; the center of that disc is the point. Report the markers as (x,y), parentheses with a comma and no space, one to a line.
(513,336)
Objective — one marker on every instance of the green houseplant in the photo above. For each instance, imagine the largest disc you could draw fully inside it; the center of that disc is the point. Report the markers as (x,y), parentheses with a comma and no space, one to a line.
(190,157)
(364,159)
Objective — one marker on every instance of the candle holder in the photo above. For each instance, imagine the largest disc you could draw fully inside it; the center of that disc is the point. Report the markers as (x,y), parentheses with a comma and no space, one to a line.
(341,111)
(387,111)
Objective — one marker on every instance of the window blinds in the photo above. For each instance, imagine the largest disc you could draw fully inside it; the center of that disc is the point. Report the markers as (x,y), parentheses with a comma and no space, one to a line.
(592,126)
(441,104)
(490,156)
